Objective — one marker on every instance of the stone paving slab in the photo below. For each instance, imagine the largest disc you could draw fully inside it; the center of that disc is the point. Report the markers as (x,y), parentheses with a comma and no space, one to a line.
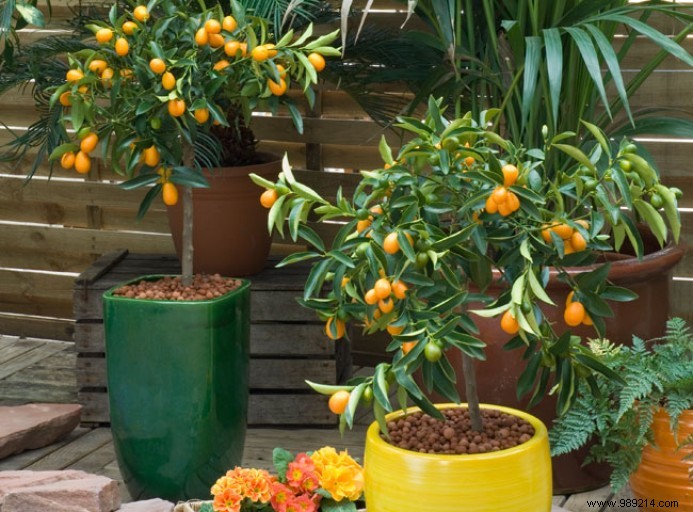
(26,427)
(61,491)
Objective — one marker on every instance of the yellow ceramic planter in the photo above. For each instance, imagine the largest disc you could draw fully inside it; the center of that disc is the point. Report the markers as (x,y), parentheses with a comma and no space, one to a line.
(517,479)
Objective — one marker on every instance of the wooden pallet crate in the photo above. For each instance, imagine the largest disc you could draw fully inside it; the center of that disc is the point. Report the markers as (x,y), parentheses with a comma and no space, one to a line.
(287,342)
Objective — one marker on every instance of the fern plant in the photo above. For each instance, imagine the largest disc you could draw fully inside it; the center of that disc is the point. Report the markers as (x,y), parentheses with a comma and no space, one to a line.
(658,373)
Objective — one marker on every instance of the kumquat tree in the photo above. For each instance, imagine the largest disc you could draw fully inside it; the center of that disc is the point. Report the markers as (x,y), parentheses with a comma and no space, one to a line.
(163,74)
(423,234)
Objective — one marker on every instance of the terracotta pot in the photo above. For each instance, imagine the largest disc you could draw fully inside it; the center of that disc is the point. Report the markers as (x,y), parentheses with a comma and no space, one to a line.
(230,235)
(662,481)
(645,317)
(518,478)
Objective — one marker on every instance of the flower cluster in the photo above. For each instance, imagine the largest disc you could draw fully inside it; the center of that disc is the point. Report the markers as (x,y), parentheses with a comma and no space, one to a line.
(320,481)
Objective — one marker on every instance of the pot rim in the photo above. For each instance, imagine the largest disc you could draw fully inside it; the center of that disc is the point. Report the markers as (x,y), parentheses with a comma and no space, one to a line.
(108,294)
(540,433)
(267,159)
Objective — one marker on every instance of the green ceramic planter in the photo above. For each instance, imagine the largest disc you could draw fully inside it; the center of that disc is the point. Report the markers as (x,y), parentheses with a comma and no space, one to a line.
(178,390)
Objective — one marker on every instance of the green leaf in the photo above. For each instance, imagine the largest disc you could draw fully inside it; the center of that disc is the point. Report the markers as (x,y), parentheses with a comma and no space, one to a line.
(296,117)
(660,39)
(311,237)
(275,217)
(139,181)
(593,279)
(325,389)
(653,219)
(554,66)
(341,258)
(533,46)
(457,237)
(316,278)
(380,387)
(576,154)
(385,151)
(538,289)
(307,33)
(30,14)
(295,217)
(599,135)
(624,187)
(596,365)
(528,376)
(612,62)
(618,294)
(296,257)
(670,210)
(189,177)
(260,181)
(354,398)
(281,459)
(379,413)
(591,61)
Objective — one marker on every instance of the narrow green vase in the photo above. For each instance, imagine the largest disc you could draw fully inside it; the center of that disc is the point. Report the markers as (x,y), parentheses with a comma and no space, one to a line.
(178,390)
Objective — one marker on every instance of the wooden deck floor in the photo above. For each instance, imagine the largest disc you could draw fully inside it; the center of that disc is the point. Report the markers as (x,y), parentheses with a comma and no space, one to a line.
(34,370)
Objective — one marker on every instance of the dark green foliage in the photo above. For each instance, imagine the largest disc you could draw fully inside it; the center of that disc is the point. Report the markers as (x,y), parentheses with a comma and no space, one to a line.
(658,373)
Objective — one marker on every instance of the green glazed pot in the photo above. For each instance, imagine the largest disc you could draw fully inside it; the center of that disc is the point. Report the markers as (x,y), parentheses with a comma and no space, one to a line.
(178,390)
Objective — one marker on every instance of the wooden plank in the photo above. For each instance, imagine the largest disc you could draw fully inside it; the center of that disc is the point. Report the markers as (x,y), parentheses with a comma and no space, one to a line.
(620,506)
(263,409)
(31,357)
(269,306)
(579,502)
(292,409)
(95,461)
(265,339)
(264,373)
(71,453)
(29,457)
(11,347)
(77,240)
(39,327)
(36,293)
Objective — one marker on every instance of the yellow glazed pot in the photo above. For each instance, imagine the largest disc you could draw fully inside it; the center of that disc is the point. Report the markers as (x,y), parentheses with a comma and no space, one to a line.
(518,478)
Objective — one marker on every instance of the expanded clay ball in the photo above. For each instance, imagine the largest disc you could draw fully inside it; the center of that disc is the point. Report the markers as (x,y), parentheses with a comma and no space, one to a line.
(422,433)
(203,287)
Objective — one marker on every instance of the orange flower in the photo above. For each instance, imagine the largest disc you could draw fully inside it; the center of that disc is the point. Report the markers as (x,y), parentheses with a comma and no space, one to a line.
(281,495)
(227,501)
(257,485)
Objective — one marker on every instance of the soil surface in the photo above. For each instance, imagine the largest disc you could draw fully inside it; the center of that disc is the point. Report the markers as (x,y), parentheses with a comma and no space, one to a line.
(204,287)
(421,433)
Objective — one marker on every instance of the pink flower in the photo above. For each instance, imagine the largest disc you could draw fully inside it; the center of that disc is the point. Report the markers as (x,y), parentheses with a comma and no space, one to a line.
(302,503)
(281,496)
(299,470)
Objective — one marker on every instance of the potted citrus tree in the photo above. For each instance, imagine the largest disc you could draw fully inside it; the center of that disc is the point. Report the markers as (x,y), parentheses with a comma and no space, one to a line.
(640,426)
(146,100)
(416,254)
(550,64)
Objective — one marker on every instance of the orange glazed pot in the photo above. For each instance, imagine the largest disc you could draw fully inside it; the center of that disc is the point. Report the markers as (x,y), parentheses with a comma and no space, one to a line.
(230,235)
(662,481)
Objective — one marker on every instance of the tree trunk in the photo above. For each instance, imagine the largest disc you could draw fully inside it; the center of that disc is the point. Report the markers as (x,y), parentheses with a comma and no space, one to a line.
(187,237)
(471,392)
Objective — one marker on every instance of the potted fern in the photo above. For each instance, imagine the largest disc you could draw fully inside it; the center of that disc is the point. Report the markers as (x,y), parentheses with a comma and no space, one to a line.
(640,425)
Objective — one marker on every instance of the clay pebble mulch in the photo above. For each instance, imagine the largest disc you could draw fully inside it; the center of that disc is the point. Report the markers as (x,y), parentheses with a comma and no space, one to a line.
(422,433)
(203,287)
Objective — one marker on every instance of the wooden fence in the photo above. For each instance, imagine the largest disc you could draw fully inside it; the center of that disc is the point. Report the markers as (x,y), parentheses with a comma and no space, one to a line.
(52,229)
